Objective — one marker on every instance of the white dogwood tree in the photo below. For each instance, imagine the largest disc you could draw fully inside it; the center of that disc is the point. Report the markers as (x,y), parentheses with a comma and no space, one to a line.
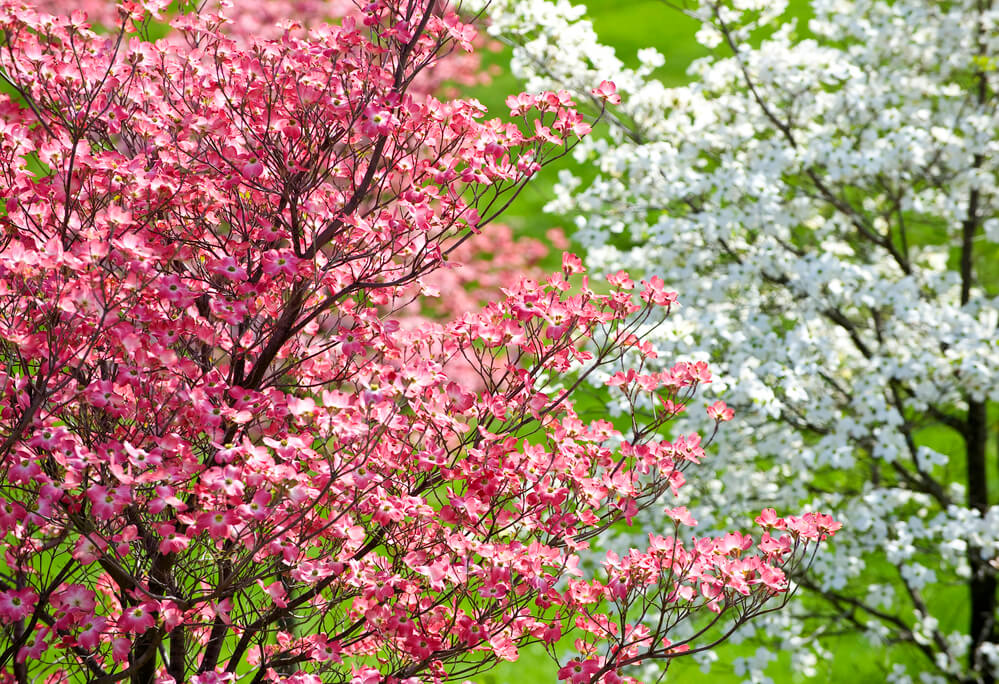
(830,203)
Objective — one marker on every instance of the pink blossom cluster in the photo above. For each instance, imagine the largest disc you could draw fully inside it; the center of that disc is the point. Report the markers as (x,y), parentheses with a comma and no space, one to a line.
(708,573)
(222,453)
(272,19)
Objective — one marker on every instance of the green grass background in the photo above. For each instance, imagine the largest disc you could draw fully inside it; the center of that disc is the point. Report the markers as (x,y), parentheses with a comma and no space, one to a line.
(630,25)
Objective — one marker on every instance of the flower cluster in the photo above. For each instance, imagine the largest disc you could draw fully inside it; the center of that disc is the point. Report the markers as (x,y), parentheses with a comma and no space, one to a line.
(831,205)
(221,452)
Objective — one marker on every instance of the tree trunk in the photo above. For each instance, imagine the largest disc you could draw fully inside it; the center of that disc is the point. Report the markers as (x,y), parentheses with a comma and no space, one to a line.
(982,586)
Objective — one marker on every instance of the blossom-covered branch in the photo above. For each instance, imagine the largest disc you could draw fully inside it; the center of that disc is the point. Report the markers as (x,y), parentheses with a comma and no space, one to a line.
(831,204)
(223,457)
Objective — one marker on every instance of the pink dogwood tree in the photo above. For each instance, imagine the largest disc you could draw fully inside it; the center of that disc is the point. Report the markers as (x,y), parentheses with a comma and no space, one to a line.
(223,458)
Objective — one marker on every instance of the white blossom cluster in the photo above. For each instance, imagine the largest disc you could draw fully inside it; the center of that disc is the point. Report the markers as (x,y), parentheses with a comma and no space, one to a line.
(828,209)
